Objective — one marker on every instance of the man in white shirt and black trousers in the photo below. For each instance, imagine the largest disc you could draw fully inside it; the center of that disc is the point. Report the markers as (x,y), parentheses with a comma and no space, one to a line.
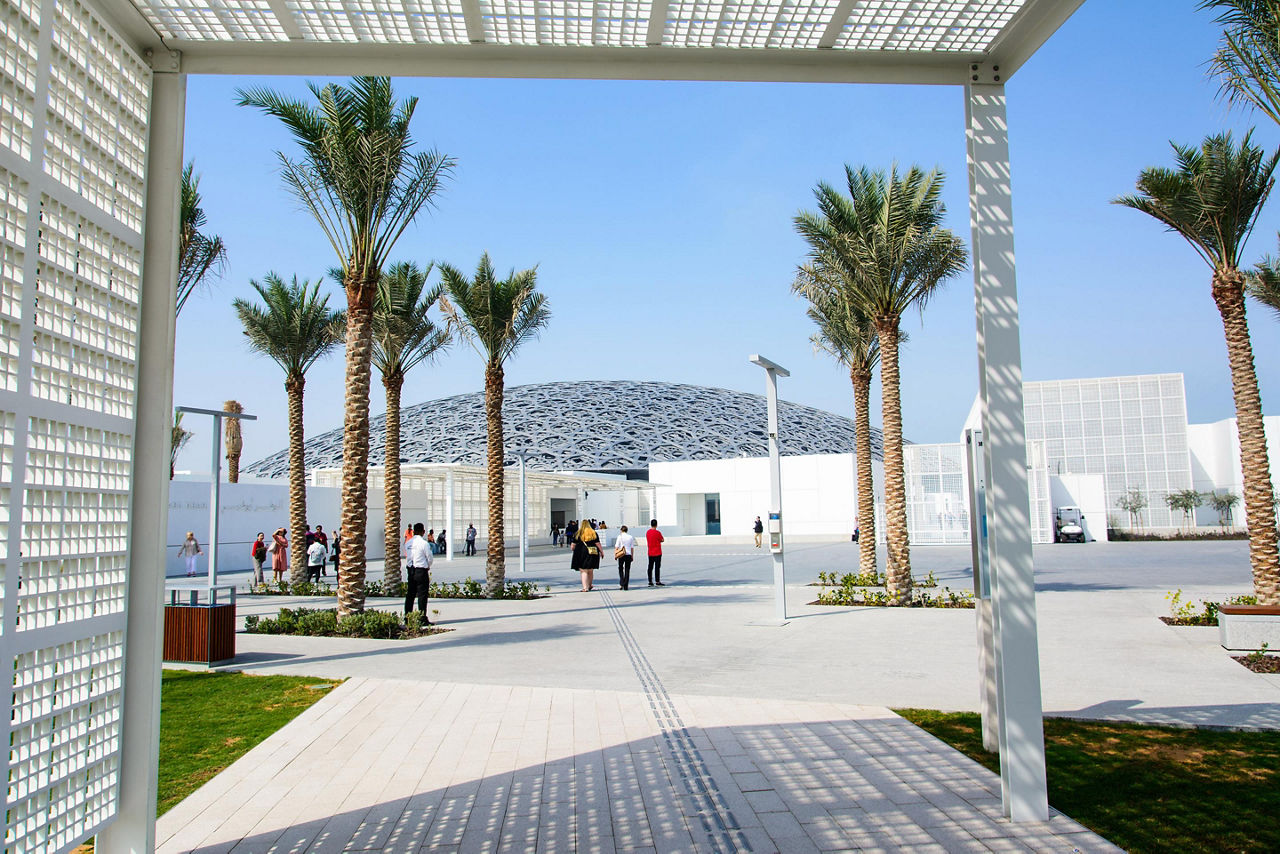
(417,553)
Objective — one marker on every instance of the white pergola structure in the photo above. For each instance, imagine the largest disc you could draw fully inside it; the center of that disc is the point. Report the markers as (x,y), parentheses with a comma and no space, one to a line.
(92,98)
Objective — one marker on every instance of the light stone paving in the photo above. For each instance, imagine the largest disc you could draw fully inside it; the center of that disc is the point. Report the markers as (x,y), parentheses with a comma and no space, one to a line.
(400,766)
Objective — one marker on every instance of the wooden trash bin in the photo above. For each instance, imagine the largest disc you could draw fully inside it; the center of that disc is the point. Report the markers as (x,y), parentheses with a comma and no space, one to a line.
(198,632)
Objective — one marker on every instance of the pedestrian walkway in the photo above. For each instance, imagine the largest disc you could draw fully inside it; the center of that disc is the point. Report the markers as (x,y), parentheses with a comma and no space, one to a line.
(408,766)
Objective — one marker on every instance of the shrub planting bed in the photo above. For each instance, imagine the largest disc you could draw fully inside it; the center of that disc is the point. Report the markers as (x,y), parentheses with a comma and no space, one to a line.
(468,588)
(864,579)
(863,598)
(1206,614)
(381,625)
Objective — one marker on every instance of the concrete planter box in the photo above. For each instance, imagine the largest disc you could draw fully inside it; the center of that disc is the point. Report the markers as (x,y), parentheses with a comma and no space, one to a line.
(1248,627)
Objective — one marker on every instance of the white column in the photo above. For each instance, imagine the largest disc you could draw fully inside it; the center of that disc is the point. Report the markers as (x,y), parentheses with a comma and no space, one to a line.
(524,517)
(448,515)
(1008,505)
(775,503)
(215,495)
(135,824)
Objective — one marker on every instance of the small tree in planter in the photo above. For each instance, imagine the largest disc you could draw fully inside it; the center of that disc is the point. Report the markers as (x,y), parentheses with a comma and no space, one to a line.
(1133,502)
(1186,500)
(1223,502)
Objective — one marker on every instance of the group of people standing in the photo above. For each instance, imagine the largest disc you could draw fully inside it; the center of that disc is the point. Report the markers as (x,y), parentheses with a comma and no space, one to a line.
(437,543)
(588,544)
(318,550)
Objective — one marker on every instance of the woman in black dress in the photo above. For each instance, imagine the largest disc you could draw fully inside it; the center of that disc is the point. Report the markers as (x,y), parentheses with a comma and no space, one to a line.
(586,554)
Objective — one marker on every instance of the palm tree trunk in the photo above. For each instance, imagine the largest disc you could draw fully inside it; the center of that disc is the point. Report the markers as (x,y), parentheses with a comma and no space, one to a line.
(294,387)
(393,383)
(866,481)
(355,453)
(898,568)
(495,569)
(1259,509)
(234,440)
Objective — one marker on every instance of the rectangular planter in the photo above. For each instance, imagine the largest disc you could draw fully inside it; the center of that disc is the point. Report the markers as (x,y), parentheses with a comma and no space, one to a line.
(1248,627)
(200,634)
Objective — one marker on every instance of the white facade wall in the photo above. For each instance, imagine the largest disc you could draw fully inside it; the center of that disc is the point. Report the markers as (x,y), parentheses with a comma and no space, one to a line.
(1087,492)
(819,495)
(246,509)
(1215,462)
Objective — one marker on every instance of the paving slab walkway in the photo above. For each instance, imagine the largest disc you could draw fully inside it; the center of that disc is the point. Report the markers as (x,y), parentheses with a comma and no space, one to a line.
(401,765)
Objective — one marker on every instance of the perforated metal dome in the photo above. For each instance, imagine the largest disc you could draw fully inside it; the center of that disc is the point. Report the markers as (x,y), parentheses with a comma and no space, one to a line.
(595,426)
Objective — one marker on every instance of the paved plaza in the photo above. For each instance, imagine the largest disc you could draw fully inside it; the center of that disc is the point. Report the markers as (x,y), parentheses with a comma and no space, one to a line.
(668,719)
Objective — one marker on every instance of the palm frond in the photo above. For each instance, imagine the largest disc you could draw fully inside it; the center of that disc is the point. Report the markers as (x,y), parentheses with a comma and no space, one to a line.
(200,255)
(1212,197)
(497,316)
(293,325)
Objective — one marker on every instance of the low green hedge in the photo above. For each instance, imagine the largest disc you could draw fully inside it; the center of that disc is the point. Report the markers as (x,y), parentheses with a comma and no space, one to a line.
(382,625)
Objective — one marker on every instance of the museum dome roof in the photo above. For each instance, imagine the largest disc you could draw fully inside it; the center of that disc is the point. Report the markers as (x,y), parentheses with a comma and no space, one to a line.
(619,426)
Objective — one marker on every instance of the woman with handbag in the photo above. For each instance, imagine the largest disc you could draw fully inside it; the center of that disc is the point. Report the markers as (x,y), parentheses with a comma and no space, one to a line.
(586,554)
(258,551)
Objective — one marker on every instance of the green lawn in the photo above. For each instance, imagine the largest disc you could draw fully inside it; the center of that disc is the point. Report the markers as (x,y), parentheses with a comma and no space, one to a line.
(1149,788)
(209,720)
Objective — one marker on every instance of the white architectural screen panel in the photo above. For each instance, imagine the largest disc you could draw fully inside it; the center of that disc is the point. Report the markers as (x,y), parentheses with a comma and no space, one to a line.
(948,26)
(1130,430)
(74,105)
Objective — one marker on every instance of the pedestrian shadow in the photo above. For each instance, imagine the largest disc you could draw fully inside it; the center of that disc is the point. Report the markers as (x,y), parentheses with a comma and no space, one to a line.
(1242,716)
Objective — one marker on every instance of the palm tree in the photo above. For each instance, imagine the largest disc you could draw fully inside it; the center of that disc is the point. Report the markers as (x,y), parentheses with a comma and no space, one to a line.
(364,187)
(199,255)
(179,436)
(403,337)
(496,317)
(1247,62)
(1212,199)
(234,441)
(293,327)
(849,336)
(886,243)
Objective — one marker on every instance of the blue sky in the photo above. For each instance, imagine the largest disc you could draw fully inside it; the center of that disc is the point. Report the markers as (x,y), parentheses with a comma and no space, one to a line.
(659,216)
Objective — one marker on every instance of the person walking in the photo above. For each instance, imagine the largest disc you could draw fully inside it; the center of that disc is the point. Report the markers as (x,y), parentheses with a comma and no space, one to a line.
(758,527)
(624,551)
(337,544)
(442,543)
(323,538)
(317,554)
(471,540)
(190,549)
(653,539)
(279,553)
(417,553)
(258,551)
(555,534)
(570,531)
(586,555)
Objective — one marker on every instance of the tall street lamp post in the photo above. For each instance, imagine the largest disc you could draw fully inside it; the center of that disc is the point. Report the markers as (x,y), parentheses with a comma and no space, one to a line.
(773,371)
(215,478)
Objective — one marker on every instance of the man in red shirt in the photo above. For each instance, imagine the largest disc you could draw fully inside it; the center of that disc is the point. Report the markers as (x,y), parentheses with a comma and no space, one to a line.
(653,537)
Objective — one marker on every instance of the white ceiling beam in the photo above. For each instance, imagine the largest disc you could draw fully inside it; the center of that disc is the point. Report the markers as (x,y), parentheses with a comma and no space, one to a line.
(474,20)
(580,63)
(288,23)
(130,24)
(658,12)
(1030,28)
(836,26)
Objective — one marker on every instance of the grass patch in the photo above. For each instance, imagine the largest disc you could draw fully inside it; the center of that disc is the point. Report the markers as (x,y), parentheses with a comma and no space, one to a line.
(1148,788)
(209,720)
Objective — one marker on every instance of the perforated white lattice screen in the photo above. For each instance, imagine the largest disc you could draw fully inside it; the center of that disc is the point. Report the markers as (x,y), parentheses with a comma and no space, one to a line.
(73,124)
(876,25)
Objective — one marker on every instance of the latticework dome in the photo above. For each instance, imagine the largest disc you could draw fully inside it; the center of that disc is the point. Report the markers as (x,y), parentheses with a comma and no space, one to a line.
(595,426)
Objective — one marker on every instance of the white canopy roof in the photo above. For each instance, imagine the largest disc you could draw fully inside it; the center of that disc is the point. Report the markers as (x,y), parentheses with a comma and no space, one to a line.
(907,41)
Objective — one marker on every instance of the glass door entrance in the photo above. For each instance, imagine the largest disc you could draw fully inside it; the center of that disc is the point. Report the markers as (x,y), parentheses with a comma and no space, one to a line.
(713,513)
